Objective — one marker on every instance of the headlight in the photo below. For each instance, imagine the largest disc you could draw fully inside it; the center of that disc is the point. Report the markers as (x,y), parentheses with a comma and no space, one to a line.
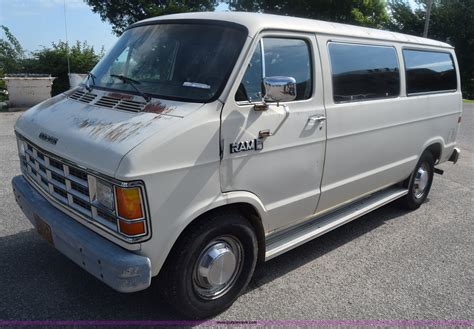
(21,148)
(120,204)
(105,194)
(125,204)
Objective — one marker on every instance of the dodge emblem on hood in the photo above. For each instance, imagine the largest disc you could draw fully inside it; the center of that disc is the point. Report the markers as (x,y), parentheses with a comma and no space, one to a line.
(48,138)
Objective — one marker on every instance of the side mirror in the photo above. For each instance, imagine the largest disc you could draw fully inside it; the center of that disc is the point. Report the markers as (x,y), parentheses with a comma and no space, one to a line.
(279,89)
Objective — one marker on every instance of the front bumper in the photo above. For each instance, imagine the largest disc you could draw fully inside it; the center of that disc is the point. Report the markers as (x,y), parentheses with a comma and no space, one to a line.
(120,269)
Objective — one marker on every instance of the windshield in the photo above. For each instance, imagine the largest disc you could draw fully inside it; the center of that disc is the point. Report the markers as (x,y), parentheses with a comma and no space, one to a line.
(188,62)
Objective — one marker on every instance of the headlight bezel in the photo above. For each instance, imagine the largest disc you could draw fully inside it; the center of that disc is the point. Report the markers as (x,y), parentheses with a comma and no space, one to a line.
(93,179)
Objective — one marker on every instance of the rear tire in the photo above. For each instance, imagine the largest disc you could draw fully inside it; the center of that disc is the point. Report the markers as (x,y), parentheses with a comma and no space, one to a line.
(210,265)
(419,184)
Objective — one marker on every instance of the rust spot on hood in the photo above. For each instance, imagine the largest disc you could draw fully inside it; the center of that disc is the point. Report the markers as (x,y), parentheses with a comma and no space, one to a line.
(114,132)
(120,96)
(158,108)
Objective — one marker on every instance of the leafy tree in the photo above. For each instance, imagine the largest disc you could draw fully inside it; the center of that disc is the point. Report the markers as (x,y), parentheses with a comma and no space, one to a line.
(371,13)
(11,52)
(451,21)
(122,13)
(53,60)
(11,55)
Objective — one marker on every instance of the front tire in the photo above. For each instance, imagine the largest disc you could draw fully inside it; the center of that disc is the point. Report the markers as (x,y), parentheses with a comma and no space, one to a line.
(210,265)
(420,182)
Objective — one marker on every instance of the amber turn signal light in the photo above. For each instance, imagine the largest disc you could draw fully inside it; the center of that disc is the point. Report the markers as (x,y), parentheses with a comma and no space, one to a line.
(129,202)
(131,228)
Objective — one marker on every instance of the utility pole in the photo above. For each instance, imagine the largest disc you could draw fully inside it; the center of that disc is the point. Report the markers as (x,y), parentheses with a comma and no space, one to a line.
(429,3)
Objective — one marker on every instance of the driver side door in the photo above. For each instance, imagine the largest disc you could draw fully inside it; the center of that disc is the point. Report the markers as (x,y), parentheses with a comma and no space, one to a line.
(283,169)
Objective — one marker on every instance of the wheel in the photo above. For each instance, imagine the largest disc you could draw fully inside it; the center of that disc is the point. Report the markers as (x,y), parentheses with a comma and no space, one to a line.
(420,182)
(210,265)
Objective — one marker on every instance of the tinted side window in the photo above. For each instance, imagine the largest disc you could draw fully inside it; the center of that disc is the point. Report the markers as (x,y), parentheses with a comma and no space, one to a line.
(428,71)
(361,72)
(282,57)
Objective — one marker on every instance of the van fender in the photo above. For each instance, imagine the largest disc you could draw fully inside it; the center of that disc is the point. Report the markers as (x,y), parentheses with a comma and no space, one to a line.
(201,208)
(437,140)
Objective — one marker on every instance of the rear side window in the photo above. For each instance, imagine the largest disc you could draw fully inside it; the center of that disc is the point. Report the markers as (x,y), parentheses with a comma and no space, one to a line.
(363,72)
(281,57)
(429,71)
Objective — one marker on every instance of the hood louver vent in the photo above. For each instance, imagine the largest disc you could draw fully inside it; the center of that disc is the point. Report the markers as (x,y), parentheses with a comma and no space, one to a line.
(120,103)
(82,96)
(108,101)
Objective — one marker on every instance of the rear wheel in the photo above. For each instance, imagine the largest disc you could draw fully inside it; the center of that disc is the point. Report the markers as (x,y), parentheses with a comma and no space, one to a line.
(420,182)
(210,265)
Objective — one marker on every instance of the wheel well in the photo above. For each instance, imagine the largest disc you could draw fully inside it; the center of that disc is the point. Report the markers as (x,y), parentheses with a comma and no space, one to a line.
(435,150)
(249,212)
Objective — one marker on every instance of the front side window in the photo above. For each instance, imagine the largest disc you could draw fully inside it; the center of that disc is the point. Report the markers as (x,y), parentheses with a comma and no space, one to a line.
(429,71)
(173,61)
(281,57)
(363,72)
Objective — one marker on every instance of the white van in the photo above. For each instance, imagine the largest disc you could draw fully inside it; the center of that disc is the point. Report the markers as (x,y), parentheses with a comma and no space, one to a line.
(203,143)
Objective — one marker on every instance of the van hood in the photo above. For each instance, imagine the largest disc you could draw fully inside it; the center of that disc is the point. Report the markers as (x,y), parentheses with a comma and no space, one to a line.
(97,136)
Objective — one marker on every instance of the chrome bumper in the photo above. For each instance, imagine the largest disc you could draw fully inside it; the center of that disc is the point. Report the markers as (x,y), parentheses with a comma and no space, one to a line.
(455,155)
(120,269)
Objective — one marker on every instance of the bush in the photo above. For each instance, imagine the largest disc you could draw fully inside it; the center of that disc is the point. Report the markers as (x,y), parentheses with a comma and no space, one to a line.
(53,60)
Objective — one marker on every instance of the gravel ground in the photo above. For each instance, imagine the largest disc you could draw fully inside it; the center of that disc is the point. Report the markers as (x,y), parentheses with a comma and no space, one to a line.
(390,264)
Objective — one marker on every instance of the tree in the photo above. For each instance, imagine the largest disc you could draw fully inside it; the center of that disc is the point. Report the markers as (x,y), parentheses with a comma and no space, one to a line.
(11,52)
(370,13)
(451,21)
(11,55)
(122,13)
(404,19)
(53,60)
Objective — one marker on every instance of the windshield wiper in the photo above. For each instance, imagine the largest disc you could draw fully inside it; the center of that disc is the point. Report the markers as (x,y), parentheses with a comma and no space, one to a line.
(133,83)
(90,75)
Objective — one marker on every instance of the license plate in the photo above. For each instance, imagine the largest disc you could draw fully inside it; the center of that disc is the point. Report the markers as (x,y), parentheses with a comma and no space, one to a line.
(44,230)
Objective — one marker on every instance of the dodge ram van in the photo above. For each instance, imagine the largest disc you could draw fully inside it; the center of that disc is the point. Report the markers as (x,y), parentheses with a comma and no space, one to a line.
(204,143)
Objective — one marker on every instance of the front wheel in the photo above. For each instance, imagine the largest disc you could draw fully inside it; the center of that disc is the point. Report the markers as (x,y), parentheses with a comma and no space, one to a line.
(420,182)
(210,265)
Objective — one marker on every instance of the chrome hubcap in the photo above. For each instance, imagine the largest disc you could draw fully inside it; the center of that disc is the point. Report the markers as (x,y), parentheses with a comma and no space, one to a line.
(421,181)
(218,267)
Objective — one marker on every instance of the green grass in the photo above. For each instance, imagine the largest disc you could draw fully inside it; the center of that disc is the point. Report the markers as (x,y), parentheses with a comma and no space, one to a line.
(468,100)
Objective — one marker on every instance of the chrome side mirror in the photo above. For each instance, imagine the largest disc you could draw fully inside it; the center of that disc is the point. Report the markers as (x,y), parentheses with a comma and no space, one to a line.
(279,89)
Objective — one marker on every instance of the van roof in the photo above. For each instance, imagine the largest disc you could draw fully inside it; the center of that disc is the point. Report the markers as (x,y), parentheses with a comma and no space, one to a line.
(256,22)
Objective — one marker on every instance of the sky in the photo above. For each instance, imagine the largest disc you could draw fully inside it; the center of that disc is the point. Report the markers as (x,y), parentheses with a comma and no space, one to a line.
(37,23)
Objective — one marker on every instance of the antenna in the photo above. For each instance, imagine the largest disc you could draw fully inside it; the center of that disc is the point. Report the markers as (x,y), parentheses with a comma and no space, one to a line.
(67,43)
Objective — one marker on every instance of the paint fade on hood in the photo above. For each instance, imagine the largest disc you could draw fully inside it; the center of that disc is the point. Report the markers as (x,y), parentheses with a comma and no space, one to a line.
(93,136)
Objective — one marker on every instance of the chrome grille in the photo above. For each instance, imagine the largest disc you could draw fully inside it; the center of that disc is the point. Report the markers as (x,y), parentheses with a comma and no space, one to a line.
(65,183)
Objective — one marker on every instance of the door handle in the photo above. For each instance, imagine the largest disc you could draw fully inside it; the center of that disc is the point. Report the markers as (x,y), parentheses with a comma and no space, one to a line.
(316,118)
